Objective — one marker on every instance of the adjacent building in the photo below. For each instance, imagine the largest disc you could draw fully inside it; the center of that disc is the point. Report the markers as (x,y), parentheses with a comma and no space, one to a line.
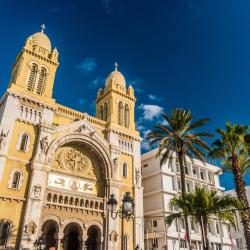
(238,232)
(59,166)
(161,184)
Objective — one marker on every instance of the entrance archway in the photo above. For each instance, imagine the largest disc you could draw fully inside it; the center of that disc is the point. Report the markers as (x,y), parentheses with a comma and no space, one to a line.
(71,238)
(50,230)
(93,242)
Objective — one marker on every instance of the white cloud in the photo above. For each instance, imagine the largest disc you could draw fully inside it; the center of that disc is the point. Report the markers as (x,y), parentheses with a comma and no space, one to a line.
(150,112)
(136,83)
(145,145)
(94,83)
(154,97)
(146,132)
(139,126)
(87,65)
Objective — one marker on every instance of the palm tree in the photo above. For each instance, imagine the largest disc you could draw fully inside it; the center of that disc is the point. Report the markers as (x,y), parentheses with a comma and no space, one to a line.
(201,205)
(233,147)
(178,137)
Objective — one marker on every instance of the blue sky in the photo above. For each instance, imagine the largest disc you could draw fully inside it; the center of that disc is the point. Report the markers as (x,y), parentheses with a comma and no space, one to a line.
(183,53)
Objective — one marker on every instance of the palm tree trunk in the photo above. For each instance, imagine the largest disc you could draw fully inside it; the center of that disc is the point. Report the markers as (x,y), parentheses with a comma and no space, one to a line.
(205,226)
(202,232)
(241,194)
(183,192)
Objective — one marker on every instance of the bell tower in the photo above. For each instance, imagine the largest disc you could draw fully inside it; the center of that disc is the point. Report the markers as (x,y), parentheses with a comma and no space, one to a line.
(116,103)
(34,70)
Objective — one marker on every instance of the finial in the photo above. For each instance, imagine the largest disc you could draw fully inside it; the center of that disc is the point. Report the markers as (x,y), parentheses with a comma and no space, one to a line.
(116,66)
(43,28)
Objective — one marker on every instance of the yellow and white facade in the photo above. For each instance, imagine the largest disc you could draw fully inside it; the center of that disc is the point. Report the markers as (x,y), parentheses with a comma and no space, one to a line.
(58,166)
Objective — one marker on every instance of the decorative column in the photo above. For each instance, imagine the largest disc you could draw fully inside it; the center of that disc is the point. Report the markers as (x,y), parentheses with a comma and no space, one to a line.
(59,241)
(36,197)
(138,196)
(82,239)
(113,225)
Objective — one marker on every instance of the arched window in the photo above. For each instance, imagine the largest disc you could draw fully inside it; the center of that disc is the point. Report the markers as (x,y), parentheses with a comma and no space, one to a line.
(120,113)
(41,81)
(124,170)
(24,142)
(101,112)
(125,242)
(32,77)
(5,234)
(16,179)
(105,112)
(126,116)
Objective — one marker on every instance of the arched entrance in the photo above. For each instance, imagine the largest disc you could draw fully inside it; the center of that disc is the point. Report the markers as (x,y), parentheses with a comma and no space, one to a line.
(71,237)
(94,241)
(50,230)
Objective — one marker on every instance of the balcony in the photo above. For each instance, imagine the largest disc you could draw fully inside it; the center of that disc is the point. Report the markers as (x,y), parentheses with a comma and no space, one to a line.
(84,204)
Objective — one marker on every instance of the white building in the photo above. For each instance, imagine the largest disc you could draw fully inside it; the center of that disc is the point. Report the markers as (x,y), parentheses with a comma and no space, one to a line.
(238,233)
(161,184)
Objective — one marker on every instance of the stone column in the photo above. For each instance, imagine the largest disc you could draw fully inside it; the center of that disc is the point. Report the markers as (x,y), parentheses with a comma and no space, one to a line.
(37,188)
(59,241)
(138,196)
(82,239)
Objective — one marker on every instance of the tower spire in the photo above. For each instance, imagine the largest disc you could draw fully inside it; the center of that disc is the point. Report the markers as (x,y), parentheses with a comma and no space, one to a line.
(43,27)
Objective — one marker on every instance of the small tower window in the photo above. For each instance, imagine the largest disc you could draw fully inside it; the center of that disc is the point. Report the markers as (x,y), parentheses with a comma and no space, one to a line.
(24,142)
(41,81)
(5,234)
(32,77)
(120,113)
(125,170)
(16,180)
(105,112)
(126,116)
(101,112)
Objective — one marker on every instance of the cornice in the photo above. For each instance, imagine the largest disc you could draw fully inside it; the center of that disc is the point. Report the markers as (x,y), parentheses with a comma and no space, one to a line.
(120,132)
(31,100)
(41,57)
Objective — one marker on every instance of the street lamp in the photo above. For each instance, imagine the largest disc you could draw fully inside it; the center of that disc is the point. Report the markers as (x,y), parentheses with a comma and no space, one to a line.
(39,244)
(125,212)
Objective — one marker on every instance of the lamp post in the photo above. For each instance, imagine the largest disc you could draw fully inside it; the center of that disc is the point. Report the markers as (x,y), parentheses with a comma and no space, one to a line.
(125,212)
(39,244)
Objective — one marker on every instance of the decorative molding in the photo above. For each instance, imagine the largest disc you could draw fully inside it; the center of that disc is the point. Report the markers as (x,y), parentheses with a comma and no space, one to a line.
(11,198)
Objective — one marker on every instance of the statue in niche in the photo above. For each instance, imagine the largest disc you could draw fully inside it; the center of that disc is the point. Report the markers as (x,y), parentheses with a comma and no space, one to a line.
(44,144)
(30,228)
(137,175)
(36,192)
(113,236)
(81,129)
(3,137)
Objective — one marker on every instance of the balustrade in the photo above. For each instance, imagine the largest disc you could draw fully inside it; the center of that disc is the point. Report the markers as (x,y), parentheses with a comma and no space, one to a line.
(94,204)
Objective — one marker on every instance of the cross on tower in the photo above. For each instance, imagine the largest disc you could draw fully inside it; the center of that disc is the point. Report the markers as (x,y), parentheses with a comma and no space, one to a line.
(116,66)
(43,28)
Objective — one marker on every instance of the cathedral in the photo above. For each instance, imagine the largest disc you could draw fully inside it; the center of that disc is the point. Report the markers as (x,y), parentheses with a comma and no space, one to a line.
(59,167)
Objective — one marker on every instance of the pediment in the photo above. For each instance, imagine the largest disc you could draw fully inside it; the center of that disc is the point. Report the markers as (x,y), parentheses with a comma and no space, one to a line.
(82,127)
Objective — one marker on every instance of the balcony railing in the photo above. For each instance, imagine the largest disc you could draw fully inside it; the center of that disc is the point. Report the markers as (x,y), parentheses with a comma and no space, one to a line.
(83,203)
